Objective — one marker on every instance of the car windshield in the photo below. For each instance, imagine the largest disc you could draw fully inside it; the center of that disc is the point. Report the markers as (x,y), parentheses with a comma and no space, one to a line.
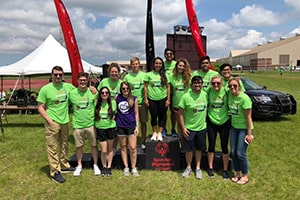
(250,85)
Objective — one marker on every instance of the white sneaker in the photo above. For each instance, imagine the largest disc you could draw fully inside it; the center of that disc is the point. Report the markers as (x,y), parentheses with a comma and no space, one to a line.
(96,170)
(159,137)
(77,171)
(126,171)
(135,172)
(154,136)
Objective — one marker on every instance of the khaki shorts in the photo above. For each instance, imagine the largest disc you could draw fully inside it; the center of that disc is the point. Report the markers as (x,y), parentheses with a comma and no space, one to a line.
(81,133)
(143,113)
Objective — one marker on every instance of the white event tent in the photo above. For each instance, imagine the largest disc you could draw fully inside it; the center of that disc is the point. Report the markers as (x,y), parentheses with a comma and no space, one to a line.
(49,54)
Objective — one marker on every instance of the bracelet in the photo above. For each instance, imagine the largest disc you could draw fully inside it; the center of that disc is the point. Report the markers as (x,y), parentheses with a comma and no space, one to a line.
(137,123)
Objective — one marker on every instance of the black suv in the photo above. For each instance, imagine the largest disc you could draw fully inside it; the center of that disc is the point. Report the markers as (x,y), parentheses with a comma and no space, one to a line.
(267,103)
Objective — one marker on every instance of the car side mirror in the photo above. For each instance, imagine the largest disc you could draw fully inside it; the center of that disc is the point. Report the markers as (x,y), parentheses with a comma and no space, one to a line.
(264,87)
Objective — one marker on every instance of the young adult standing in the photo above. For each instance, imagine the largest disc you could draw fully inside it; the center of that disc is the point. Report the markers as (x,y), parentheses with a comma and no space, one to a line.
(127,119)
(218,121)
(105,124)
(192,114)
(240,106)
(53,106)
(136,79)
(113,83)
(157,97)
(226,73)
(170,64)
(180,83)
(83,102)
(204,71)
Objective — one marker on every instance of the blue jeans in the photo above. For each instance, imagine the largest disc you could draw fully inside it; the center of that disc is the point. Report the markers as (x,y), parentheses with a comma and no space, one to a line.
(238,150)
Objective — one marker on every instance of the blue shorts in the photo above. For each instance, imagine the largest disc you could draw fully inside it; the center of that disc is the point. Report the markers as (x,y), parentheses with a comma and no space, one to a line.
(196,141)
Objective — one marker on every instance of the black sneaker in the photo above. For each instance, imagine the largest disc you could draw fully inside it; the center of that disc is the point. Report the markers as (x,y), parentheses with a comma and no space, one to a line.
(211,173)
(57,178)
(104,171)
(225,175)
(108,171)
(68,170)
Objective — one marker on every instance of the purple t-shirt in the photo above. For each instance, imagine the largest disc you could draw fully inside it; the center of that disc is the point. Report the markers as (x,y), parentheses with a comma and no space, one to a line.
(125,117)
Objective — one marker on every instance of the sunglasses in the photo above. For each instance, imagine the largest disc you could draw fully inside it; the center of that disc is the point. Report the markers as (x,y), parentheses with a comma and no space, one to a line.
(56,75)
(125,88)
(104,92)
(233,85)
(216,83)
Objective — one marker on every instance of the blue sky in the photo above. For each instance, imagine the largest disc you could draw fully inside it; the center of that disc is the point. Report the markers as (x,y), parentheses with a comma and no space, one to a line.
(109,30)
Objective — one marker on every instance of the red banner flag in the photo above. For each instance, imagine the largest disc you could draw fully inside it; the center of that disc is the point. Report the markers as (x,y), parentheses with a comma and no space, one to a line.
(195,30)
(150,54)
(70,40)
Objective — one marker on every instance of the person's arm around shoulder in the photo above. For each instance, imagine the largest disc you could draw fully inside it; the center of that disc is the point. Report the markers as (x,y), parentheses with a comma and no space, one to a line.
(137,118)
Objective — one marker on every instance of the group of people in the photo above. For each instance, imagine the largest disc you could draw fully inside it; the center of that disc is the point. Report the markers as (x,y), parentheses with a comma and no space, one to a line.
(201,103)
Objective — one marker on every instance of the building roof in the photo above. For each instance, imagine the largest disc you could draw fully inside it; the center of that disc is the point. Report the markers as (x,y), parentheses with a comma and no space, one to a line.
(270,45)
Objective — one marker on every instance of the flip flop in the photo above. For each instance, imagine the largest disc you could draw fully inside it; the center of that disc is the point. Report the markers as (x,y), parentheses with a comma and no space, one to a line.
(242,182)
(235,179)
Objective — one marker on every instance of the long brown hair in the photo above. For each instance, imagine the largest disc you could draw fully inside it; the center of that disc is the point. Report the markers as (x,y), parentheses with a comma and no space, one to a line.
(186,75)
(162,71)
(130,98)
(98,105)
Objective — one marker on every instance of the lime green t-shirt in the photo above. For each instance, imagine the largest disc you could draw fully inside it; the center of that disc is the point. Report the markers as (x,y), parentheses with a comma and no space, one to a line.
(83,108)
(217,106)
(105,122)
(136,82)
(155,90)
(178,89)
(113,86)
(237,105)
(194,107)
(56,99)
(206,76)
(169,66)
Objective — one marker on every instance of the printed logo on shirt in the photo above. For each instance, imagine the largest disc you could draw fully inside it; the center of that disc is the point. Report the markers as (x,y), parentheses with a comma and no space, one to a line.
(218,102)
(123,106)
(233,108)
(82,103)
(61,96)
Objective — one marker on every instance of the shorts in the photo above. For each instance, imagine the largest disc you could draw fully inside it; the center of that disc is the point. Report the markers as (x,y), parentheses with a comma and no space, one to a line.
(81,133)
(143,113)
(125,131)
(106,134)
(196,141)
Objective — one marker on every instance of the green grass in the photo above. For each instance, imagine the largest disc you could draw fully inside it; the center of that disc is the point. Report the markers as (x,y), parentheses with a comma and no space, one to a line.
(273,162)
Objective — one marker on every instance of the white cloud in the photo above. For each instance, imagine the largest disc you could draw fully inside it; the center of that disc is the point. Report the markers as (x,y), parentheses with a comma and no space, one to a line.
(255,15)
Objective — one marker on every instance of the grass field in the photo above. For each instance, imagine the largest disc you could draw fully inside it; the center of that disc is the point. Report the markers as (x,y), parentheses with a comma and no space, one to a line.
(273,161)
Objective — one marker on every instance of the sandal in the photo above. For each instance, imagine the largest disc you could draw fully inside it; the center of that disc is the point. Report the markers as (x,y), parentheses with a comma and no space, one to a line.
(242,181)
(235,179)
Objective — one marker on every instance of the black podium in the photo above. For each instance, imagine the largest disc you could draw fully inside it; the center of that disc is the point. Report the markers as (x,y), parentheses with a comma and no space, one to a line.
(163,155)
